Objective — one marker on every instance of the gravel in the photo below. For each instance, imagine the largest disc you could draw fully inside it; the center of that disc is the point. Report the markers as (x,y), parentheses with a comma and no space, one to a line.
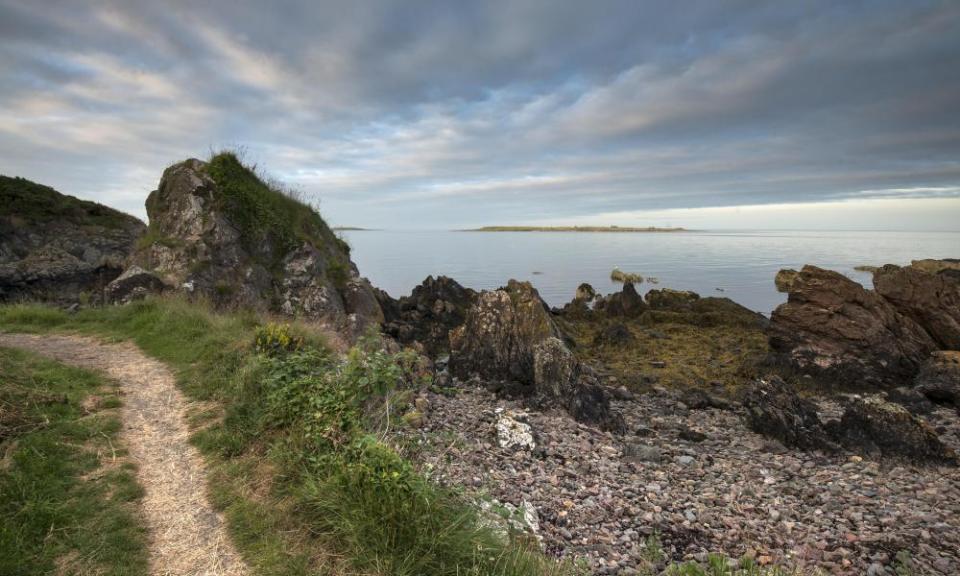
(700,480)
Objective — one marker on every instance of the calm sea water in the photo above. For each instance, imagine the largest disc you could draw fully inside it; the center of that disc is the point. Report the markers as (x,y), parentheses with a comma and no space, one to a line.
(738,264)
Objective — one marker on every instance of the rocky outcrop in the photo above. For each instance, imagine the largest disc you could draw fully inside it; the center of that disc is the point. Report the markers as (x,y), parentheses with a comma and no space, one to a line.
(774,409)
(57,248)
(134,284)
(837,331)
(427,315)
(784,280)
(939,378)
(217,230)
(627,303)
(928,295)
(508,337)
(877,428)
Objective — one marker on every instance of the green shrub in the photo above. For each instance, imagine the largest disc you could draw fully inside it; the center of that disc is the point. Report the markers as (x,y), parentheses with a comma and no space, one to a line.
(274,339)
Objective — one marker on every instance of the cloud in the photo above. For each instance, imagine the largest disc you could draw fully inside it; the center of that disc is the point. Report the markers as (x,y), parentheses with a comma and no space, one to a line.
(446,114)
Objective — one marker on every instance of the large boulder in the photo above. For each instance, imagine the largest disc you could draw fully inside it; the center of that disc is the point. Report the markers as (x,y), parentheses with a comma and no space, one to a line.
(874,427)
(668,299)
(59,248)
(833,329)
(134,284)
(509,338)
(774,409)
(939,378)
(928,295)
(627,303)
(427,315)
(219,231)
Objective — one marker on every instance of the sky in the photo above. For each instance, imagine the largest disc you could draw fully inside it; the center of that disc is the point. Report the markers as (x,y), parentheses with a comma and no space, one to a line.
(437,115)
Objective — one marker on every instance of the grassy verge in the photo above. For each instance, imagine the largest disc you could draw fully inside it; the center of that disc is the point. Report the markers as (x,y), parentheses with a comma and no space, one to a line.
(290,430)
(63,473)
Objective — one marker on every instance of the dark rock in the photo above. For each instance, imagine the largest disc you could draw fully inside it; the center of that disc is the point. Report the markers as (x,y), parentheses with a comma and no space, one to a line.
(911,399)
(640,453)
(616,334)
(875,427)
(585,293)
(774,409)
(931,299)
(57,248)
(939,378)
(691,435)
(435,307)
(134,284)
(835,330)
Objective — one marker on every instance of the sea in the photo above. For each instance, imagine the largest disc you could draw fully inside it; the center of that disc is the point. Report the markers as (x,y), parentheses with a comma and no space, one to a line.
(738,264)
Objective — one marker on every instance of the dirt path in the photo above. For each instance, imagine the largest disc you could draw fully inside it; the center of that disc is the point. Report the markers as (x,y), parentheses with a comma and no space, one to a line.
(187,537)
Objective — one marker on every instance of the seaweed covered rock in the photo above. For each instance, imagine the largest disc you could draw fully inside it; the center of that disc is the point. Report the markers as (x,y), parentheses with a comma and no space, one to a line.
(877,428)
(939,378)
(427,315)
(218,230)
(837,331)
(774,409)
(667,299)
(59,248)
(509,338)
(927,294)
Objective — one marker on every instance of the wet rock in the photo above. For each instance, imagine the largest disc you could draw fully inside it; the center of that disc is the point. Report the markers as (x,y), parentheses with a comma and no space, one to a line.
(774,409)
(134,284)
(932,300)
(939,378)
(616,334)
(833,329)
(875,427)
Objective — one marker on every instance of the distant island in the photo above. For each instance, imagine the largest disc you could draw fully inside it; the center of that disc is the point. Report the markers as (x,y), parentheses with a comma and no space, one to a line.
(572,229)
(351,228)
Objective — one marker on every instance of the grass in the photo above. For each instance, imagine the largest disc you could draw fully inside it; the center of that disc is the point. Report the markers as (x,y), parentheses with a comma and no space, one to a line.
(27,203)
(68,499)
(290,432)
(264,212)
(572,229)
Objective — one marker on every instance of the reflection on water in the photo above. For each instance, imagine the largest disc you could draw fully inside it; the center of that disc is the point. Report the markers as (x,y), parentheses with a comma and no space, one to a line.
(737,264)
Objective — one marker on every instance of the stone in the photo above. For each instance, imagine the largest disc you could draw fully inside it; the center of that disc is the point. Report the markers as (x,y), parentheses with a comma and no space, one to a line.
(931,299)
(698,399)
(939,378)
(774,409)
(639,453)
(785,279)
(624,304)
(834,330)
(874,427)
(512,433)
(134,284)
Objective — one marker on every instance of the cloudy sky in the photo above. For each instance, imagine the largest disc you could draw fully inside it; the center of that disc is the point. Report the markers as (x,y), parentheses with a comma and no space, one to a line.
(446,114)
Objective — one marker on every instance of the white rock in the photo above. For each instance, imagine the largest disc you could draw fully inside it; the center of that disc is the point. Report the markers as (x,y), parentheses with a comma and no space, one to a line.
(512,433)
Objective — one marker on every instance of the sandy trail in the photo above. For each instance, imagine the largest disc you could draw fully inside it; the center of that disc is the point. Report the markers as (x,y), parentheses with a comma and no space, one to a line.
(187,537)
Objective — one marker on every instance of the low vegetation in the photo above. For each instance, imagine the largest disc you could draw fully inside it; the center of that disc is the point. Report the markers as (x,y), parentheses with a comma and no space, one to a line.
(572,229)
(68,496)
(27,203)
(291,432)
